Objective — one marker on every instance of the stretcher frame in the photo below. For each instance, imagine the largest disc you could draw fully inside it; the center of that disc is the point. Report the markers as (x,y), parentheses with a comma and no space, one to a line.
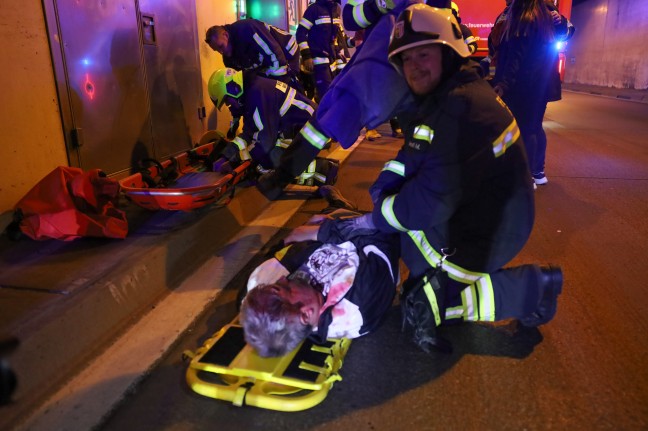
(227,368)
(208,190)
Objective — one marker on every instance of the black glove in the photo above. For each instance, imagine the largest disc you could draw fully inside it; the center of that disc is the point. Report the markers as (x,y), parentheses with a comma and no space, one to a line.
(271,184)
(353,227)
(234,125)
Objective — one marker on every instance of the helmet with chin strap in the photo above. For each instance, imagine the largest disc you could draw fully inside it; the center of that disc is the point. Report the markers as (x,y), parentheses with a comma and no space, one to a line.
(225,82)
(420,25)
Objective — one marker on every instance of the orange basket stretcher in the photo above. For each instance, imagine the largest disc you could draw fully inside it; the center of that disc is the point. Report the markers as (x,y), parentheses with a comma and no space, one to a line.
(192,183)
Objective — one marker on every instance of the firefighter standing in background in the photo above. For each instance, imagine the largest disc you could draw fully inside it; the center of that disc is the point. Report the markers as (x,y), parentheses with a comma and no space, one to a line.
(468,35)
(459,191)
(273,112)
(318,35)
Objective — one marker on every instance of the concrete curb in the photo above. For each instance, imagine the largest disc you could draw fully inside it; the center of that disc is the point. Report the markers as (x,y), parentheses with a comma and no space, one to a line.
(89,397)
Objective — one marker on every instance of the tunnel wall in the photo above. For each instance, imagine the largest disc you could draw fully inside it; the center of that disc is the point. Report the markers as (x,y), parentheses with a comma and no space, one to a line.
(609,46)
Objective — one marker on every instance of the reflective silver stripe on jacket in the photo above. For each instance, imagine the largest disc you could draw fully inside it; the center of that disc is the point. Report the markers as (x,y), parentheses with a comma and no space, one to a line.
(423,133)
(358,14)
(395,167)
(387,210)
(313,136)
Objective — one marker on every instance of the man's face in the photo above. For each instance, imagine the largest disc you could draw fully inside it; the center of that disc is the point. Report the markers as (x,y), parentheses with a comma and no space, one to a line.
(220,43)
(422,67)
(299,293)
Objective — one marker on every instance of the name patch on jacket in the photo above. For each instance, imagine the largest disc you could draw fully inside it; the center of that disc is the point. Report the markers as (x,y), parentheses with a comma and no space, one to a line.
(281,86)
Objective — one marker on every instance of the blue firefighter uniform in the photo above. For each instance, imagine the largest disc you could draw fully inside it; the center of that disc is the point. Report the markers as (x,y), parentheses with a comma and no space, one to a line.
(273,112)
(268,50)
(317,35)
(460,194)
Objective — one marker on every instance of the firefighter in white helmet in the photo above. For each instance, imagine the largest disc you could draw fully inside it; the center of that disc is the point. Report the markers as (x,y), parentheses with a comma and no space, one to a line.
(459,191)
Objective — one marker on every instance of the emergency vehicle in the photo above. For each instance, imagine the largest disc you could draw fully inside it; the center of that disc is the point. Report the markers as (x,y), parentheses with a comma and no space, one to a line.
(480,15)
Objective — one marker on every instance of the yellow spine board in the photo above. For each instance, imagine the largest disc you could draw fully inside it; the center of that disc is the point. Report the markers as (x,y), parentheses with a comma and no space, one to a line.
(226,368)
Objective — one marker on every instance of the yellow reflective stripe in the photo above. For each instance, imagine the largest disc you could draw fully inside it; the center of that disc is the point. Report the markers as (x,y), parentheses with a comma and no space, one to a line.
(454,312)
(305,23)
(327,20)
(486,299)
(320,60)
(291,46)
(434,258)
(276,71)
(468,299)
(470,39)
(283,143)
(303,45)
(319,177)
(359,16)
(395,167)
(314,137)
(287,102)
(387,210)
(244,154)
(506,139)
(308,173)
(264,46)
(431,296)
(240,143)
(303,106)
(423,133)
(257,120)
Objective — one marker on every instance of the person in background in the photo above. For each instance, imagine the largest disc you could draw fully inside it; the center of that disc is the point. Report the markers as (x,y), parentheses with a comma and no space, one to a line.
(459,191)
(523,51)
(468,35)
(318,37)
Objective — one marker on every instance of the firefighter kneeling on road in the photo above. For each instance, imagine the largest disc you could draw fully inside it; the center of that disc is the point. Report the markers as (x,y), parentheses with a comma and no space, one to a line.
(459,191)
(273,112)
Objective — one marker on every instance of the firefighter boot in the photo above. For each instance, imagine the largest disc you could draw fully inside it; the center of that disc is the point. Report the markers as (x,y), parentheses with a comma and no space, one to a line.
(417,313)
(551,281)
(335,198)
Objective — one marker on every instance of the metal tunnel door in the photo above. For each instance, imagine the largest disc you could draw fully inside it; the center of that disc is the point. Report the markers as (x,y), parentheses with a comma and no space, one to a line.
(105,82)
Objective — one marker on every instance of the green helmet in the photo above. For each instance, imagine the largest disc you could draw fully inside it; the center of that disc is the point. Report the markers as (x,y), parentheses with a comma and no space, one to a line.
(225,82)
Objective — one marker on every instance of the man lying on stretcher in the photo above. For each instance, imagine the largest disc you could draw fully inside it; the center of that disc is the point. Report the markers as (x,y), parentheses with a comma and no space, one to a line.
(330,281)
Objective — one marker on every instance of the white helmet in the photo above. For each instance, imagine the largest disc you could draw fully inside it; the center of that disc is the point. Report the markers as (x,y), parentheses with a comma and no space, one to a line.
(424,25)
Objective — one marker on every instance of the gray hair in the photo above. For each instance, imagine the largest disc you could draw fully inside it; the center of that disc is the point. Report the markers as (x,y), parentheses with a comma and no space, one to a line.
(272,326)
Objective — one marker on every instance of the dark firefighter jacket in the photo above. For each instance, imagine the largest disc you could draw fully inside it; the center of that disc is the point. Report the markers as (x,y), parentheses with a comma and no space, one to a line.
(272,113)
(262,47)
(318,31)
(461,176)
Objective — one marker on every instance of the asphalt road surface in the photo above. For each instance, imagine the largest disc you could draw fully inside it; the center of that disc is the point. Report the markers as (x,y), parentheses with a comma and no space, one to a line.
(584,370)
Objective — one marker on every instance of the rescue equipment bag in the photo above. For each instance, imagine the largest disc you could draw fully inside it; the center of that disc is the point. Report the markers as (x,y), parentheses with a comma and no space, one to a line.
(68,204)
